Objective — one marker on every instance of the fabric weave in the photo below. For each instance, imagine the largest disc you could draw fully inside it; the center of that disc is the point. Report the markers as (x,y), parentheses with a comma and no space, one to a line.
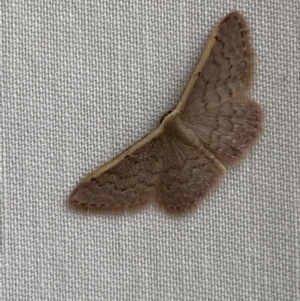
(81,81)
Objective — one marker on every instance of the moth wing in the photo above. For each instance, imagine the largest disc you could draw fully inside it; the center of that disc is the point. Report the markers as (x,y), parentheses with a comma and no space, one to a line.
(189,171)
(215,101)
(128,179)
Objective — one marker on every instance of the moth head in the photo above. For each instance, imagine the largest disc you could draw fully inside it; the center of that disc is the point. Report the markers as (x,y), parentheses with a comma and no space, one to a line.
(165,115)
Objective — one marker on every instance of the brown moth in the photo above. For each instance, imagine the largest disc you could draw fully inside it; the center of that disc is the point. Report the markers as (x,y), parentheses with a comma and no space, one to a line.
(212,126)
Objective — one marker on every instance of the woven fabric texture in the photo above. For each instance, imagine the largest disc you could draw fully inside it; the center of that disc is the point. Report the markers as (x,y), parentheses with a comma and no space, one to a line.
(81,81)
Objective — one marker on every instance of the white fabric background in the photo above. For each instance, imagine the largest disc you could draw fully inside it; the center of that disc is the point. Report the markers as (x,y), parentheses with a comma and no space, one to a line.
(83,80)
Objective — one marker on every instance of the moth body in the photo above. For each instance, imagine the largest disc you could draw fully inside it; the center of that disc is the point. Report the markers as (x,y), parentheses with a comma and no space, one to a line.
(212,126)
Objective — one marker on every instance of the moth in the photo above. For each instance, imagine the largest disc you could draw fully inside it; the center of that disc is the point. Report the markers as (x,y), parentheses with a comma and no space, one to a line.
(212,126)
